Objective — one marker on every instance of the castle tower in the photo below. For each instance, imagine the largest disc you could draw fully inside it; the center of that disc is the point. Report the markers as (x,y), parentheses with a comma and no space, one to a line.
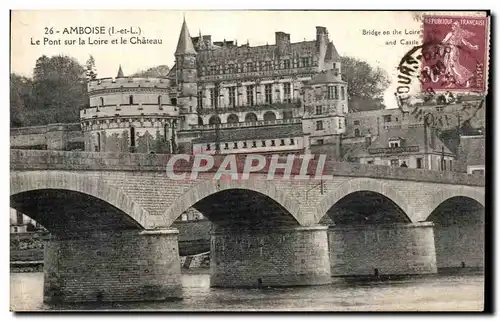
(120,73)
(325,102)
(186,74)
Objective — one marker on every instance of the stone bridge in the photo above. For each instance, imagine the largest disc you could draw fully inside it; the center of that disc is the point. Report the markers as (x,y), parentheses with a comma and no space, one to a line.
(110,218)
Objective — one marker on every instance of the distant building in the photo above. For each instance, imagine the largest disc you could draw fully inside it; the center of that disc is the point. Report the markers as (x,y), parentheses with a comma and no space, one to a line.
(414,146)
(19,222)
(472,154)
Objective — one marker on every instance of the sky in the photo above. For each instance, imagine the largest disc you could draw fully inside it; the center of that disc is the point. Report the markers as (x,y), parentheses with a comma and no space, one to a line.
(355,34)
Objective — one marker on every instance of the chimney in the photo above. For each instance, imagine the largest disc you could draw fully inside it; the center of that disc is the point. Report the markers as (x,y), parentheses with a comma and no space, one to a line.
(282,41)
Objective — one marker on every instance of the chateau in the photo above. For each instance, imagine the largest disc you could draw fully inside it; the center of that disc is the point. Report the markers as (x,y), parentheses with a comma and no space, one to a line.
(221,97)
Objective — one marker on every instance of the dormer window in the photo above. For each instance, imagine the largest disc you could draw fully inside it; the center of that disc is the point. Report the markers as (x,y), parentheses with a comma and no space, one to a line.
(395,142)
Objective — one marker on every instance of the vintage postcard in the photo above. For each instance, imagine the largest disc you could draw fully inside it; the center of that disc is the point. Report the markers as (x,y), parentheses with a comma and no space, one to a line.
(248,160)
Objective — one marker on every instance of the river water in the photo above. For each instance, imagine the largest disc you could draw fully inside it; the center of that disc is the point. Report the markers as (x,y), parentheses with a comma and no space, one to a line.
(430,293)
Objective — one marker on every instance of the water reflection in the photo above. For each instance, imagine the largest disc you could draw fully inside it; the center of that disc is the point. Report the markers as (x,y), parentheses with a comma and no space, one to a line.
(431,293)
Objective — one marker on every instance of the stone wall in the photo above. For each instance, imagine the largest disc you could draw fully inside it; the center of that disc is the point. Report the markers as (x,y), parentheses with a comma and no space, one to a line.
(460,246)
(59,160)
(395,249)
(270,258)
(51,137)
(124,266)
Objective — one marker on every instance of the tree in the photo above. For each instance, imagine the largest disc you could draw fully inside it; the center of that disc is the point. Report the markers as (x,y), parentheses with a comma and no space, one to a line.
(153,72)
(365,83)
(21,98)
(91,72)
(54,95)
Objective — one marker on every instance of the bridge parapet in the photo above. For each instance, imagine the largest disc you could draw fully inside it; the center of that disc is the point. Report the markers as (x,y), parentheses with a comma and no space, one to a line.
(24,160)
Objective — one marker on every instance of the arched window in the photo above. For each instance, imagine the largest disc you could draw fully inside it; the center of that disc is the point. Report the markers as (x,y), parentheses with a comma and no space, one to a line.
(102,101)
(214,120)
(200,120)
(233,119)
(356,132)
(131,100)
(98,142)
(250,118)
(165,131)
(269,116)
(159,100)
(132,136)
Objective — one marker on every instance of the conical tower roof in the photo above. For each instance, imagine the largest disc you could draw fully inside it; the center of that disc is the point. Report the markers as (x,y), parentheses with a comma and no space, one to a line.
(185,44)
(331,53)
(120,73)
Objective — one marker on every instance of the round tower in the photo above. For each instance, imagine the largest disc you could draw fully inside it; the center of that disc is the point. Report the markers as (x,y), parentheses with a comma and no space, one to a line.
(129,115)
(187,76)
(325,102)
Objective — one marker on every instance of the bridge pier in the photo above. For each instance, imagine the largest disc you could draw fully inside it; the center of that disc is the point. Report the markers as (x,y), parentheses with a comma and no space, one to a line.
(112,266)
(272,257)
(382,249)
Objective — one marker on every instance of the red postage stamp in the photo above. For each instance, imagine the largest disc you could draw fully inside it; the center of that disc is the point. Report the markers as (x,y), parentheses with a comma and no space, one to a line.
(455,53)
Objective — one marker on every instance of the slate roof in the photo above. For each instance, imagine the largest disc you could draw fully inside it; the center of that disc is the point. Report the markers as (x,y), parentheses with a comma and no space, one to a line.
(250,133)
(185,44)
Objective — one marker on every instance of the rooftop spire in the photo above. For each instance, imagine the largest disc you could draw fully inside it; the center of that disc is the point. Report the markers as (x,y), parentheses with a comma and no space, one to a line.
(185,44)
(120,73)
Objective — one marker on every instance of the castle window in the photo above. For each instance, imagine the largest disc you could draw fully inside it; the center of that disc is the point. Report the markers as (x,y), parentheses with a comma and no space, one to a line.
(263,143)
(226,145)
(342,92)
(98,142)
(292,141)
(269,116)
(200,121)
(250,66)
(199,100)
(250,118)
(208,147)
(268,90)
(268,65)
(159,100)
(330,92)
(319,110)
(173,101)
(132,137)
(287,92)
(250,95)
(232,96)
(254,144)
(214,97)
(305,61)
(230,69)
(244,144)
(286,64)
(282,142)
(319,125)
(213,70)
(387,118)
(340,123)
(273,142)
(336,92)
(131,100)
(233,119)
(235,145)
(320,142)
(214,120)
(356,122)
(102,101)
(165,131)
(356,132)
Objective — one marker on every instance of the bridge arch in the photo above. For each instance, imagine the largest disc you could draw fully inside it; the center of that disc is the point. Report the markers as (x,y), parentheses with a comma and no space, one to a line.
(361,185)
(447,193)
(22,182)
(210,187)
